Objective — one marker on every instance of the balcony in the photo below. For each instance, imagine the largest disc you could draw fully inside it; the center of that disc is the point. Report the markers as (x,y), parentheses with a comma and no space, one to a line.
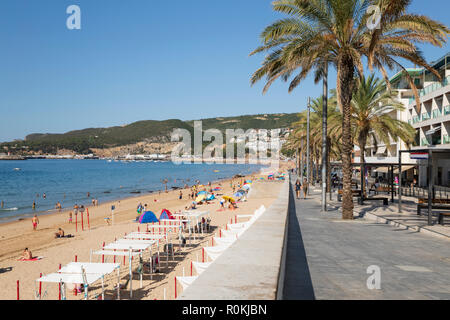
(446,110)
(426,116)
(434,87)
(446,139)
(431,88)
(424,142)
(416,119)
(436,113)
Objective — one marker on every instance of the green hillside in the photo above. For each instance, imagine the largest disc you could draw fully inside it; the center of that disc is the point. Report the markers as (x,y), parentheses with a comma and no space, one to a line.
(81,141)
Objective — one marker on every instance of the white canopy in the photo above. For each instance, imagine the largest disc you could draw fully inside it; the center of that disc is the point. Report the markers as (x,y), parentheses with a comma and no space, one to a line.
(70,278)
(136,241)
(216,251)
(201,266)
(115,253)
(225,240)
(186,281)
(146,236)
(90,268)
(126,246)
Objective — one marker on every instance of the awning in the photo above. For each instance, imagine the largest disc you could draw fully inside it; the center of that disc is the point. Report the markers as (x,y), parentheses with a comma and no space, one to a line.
(433,131)
(404,168)
(382,170)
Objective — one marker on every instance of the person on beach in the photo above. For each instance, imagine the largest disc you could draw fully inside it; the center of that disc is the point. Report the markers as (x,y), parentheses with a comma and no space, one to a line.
(88,195)
(75,209)
(181,195)
(44,196)
(70,217)
(298,187)
(34,205)
(26,255)
(2,204)
(35,222)
(60,233)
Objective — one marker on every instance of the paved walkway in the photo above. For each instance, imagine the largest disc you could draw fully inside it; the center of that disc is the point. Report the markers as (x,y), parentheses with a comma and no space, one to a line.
(327,258)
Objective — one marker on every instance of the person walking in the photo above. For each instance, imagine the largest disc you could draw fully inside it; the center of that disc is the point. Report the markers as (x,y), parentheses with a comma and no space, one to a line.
(305,187)
(298,187)
(35,222)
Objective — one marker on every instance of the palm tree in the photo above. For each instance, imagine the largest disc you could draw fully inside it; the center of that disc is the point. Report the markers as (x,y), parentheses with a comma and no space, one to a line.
(337,32)
(299,135)
(371,107)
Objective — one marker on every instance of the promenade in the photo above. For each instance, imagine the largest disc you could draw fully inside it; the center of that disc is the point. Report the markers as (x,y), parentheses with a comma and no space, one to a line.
(327,258)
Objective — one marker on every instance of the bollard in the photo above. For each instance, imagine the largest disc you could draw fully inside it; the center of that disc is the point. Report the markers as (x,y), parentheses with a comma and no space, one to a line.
(40,287)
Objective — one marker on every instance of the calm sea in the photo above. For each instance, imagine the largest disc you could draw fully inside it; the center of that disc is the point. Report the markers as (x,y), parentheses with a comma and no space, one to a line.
(69,181)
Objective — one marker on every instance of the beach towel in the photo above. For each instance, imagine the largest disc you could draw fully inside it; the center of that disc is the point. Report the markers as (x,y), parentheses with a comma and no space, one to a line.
(34,259)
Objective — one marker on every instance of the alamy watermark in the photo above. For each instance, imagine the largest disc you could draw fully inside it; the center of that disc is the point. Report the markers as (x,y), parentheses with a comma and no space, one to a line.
(241,146)
(374,20)
(374,281)
(73,22)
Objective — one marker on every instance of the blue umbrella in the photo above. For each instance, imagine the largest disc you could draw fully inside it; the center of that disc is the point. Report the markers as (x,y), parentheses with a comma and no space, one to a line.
(148,217)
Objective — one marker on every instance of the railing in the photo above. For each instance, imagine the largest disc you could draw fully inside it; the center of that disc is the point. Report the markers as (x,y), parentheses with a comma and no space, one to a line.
(435,86)
(416,119)
(424,142)
(446,110)
(446,139)
(425,116)
(431,88)
(439,192)
(436,113)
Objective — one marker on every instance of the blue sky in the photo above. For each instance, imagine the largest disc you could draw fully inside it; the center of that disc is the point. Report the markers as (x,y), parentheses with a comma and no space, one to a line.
(139,60)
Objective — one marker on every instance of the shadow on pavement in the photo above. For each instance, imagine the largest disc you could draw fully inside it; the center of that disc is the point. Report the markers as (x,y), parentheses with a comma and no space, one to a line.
(297,282)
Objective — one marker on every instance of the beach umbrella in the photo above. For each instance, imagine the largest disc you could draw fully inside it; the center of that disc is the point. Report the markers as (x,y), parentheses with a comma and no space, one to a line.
(166,215)
(226,198)
(242,191)
(238,195)
(148,217)
(217,189)
(202,192)
(210,197)
(200,198)
(248,181)
(246,187)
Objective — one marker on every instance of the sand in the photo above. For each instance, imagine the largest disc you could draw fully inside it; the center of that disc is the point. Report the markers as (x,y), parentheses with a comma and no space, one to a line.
(15,236)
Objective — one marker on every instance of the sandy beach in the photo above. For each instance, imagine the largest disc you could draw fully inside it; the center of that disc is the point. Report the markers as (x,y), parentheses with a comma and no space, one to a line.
(15,236)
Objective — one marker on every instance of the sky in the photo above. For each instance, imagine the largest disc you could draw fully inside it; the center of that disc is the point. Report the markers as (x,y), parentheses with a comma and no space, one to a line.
(142,60)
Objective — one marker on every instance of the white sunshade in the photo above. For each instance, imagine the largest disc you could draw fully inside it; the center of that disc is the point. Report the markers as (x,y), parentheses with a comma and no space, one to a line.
(115,253)
(96,268)
(201,266)
(136,241)
(70,278)
(145,236)
(186,281)
(164,227)
(126,247)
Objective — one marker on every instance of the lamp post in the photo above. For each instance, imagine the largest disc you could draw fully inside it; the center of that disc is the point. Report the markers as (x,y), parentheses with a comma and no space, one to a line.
(307,144)
(324,137)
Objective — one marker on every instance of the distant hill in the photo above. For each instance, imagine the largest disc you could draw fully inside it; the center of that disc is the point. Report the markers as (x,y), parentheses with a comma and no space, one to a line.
(149,131)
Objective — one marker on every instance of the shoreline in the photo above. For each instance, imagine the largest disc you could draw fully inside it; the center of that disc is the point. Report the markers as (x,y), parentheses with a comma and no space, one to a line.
(88,201)
(53,220)
(62,251)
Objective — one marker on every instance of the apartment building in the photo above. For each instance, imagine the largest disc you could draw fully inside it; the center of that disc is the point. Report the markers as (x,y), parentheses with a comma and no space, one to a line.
(432,120)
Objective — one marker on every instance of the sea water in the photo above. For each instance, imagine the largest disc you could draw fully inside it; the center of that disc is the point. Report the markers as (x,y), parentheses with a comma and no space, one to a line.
(69,181)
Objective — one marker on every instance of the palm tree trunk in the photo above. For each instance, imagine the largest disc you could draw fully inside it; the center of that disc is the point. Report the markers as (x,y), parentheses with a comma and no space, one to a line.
(345,83)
